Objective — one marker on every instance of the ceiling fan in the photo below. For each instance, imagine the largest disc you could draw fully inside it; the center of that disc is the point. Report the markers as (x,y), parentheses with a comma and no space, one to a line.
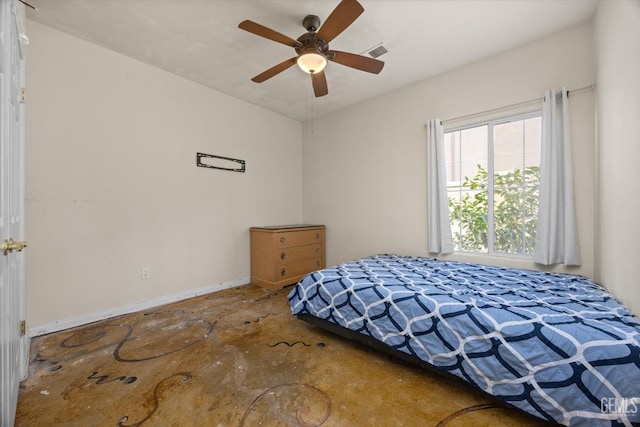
(312,48)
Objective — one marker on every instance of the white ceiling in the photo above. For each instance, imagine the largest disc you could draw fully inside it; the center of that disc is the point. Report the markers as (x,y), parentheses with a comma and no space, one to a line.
(199,40)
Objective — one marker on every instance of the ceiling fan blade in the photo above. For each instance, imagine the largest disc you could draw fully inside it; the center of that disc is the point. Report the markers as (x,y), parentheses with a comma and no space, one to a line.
(342,16)
(268,33)
(319,81)
(358,62)
(275,70)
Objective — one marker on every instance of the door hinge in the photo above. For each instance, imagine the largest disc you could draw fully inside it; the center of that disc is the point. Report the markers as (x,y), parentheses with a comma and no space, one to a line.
(23,95)
(23,328)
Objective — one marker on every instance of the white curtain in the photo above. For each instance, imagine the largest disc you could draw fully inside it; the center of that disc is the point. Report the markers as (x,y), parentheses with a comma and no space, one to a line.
(438,224)
(556,237)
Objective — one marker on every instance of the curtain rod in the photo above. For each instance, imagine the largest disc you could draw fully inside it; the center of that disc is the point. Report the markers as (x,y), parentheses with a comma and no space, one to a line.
(519,104)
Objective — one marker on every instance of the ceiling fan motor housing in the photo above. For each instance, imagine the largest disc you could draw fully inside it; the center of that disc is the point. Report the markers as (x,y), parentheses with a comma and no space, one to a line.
(311,43)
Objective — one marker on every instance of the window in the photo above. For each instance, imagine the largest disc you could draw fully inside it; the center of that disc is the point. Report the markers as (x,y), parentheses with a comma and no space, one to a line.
(493,172)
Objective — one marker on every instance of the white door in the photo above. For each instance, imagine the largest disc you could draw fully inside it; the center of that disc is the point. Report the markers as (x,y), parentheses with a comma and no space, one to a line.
(13,342)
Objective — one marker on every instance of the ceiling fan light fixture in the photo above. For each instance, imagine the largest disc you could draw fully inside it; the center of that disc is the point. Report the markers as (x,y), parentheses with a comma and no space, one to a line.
(312,62)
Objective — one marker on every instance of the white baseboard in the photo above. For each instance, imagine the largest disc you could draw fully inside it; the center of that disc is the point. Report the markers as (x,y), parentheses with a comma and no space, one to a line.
(60,325)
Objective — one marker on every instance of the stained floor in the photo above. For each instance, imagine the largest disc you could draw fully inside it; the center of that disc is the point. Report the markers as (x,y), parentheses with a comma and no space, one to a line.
(235,358)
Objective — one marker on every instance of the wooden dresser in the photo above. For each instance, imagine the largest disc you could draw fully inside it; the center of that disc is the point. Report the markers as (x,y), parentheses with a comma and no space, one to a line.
(281,255)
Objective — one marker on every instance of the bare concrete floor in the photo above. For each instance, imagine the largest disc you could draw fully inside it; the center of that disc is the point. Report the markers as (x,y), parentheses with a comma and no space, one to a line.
(235,358)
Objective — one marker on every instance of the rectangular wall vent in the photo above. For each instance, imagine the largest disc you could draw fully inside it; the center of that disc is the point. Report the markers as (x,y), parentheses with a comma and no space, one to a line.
(378,51)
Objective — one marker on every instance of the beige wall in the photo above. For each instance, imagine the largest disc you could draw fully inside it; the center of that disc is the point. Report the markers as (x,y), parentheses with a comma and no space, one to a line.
(617,27)
(364,172)
(112,186)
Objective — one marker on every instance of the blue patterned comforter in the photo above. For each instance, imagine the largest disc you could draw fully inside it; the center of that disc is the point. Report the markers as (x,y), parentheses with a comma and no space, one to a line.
(555,345)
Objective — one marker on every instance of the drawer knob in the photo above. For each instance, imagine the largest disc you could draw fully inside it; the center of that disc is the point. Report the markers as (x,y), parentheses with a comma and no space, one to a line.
(317,249)
(282,255)
(283,271)
(282,239)
(317,235)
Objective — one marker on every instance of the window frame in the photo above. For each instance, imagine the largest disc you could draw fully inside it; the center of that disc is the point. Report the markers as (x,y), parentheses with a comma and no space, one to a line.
(490,124)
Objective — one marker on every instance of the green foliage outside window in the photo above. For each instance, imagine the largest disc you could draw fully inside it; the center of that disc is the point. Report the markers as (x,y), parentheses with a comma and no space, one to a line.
(515,212)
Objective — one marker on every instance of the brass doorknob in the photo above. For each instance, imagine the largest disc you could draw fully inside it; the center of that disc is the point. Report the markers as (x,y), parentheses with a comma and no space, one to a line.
(10,245)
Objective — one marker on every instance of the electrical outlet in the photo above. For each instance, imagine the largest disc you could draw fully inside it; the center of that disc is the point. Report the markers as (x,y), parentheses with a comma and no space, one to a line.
(146,273)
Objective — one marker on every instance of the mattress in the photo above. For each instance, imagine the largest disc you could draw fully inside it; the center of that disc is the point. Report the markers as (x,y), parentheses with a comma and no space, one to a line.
(557,346)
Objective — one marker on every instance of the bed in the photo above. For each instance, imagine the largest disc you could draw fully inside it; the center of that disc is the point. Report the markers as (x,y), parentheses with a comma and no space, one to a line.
(557,346)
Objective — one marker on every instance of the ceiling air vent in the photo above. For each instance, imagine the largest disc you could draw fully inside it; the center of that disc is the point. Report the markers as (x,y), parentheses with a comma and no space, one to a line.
(378,51)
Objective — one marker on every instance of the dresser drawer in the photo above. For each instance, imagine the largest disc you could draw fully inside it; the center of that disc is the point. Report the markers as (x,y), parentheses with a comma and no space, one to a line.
(296,238)
(295,270)
(299,253)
